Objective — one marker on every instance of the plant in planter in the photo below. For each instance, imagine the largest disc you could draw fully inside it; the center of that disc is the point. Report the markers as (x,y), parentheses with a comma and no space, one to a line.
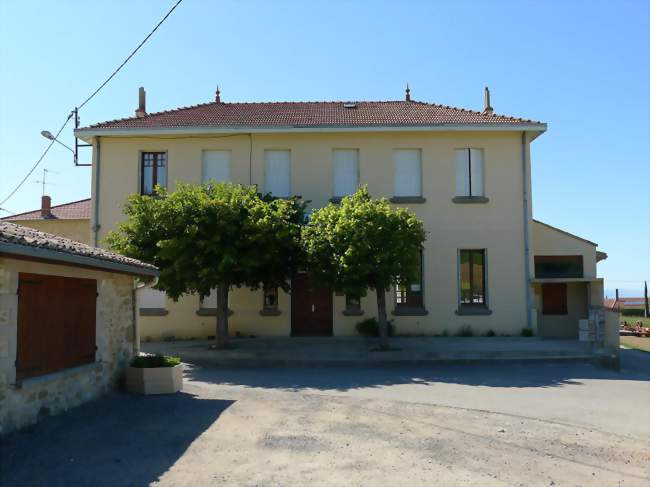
(154,374)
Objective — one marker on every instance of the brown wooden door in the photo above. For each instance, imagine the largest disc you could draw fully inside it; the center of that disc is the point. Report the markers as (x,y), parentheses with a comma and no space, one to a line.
(311,308)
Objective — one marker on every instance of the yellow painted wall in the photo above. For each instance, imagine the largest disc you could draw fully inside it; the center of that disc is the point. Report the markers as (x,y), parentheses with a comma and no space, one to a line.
(78,230)
(548,241)
(496,226)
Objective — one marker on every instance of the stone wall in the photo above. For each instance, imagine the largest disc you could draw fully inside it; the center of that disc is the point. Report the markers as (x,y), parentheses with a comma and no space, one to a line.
(24,403)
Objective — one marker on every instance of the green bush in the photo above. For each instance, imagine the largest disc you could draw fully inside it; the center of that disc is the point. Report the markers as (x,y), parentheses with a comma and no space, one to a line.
(527,332)
(153,361)
(490,333)
(370,328)
(465,331)
(638,312)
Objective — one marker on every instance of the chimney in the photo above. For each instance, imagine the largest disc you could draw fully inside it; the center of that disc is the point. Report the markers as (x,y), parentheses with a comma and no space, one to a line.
(46,207)
(617,295)
(142,103)
(218,97)
(407,97)
(487,108)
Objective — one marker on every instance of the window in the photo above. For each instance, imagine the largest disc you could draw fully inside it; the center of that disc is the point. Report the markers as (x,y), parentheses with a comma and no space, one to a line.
(550,266)
(352,304)
(152,298)
(56,323)
(346,172)
(554,299)
(472,278)
(216,166)
(469,172)
(410,295)
(277,173)
(210,301)
(270,298)
(407,172)
(153,171)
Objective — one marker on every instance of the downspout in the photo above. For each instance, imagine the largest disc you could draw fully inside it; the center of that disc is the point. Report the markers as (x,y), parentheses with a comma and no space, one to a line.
(525,195)
(96,217)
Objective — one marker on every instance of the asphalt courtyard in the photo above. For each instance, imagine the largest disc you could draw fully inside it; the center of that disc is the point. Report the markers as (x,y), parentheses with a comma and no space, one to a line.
(532,424)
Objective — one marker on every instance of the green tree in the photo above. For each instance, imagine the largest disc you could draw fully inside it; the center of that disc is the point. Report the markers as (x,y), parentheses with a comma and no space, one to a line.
(214,235)
(364,244)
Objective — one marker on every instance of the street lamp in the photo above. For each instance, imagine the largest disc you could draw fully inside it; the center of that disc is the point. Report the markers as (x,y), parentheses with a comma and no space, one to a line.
(48,135)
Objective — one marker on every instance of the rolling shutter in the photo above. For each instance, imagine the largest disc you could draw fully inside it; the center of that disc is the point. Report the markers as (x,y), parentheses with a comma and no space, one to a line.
(216,166)
(346,171)
(277,173)
(408,172)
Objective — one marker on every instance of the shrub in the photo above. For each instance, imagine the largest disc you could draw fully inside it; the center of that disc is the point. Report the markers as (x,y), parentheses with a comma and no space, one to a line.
(154,361)
(465,331)
(640,312)
(490,333)
(527,332)
(370,327)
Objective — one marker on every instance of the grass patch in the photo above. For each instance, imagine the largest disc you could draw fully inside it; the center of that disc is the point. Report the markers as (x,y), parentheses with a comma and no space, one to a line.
(637,343)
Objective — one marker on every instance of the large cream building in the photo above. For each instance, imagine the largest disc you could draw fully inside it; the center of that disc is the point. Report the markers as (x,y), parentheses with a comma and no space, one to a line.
(466,174)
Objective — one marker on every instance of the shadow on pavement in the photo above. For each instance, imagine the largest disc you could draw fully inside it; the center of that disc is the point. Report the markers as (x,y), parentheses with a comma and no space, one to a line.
(118,440)
(347,378)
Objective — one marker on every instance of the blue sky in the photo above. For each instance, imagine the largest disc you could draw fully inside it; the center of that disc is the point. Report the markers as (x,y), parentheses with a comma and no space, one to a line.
(582,67)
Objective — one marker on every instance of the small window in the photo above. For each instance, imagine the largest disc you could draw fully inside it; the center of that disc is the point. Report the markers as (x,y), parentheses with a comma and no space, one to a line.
(410,295)
(270,298)
(153,171)
(352,303)
(469,172)
(472,278)
(407,172)
(554,298)
(554,266)
(210,301)
(216,166)
(277,173)
(346,172)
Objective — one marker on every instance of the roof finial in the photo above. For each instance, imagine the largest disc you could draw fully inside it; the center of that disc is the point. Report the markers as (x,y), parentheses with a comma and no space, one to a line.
(218,98)
(408,93)
(487,108)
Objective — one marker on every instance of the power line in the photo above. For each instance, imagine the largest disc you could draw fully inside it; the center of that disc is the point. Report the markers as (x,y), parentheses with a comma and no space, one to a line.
(131,55)
(92,95)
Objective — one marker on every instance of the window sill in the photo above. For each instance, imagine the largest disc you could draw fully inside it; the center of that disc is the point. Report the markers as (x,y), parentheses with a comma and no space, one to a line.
(153,312)
(211,312)
(470,199)
(473,311)
(270,312)
(41,380)
(352,312)
(410,312)
(408,199)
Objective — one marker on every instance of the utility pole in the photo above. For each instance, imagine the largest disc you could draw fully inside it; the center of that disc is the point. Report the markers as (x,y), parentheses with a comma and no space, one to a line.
(645,298)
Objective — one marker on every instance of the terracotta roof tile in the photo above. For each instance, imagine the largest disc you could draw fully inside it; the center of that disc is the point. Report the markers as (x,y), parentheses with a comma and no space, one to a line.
(311,114)
(75,210)
(10,233)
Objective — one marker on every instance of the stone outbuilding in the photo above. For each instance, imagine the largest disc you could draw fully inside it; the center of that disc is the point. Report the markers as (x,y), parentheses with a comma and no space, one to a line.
(67,322)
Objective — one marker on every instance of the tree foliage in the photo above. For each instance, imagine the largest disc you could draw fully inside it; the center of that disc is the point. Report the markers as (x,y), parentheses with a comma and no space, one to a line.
(215,235)
(364,243)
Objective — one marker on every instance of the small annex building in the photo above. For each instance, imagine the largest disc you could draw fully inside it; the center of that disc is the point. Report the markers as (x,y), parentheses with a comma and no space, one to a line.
(67,329)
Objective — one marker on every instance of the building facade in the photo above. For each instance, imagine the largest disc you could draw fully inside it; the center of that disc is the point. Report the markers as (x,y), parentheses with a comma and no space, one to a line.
(465,174)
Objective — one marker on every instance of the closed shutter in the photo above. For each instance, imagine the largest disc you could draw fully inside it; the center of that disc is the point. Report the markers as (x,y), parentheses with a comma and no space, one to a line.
(462,172)
(476,167)
(210,301)
(81,319)
(346,171)
(554,299)
(216,166)
(277,173)
(152,298)
(408,172)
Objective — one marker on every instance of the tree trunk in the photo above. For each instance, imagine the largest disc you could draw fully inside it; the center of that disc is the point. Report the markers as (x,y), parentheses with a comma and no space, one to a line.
(222,316)
(645,299)
(381,317)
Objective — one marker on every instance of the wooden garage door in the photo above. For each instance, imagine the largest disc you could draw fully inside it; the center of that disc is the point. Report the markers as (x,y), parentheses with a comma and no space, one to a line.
(56,323)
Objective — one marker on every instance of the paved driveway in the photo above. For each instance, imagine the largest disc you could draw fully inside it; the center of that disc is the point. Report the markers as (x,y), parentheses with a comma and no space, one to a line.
(472,425)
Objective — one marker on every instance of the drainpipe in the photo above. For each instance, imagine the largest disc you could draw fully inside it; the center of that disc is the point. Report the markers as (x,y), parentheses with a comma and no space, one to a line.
(525,194)
(136,313)
(96,217)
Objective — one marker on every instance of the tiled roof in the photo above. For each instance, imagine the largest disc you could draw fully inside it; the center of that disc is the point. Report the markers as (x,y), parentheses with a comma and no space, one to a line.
(10,233)
(75,210)
(311,114)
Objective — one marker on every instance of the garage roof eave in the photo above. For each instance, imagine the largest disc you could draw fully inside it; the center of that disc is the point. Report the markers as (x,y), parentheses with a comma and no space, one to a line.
(8,249)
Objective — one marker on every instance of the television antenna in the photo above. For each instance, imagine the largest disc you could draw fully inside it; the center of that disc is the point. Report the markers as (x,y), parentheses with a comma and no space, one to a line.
(43,181)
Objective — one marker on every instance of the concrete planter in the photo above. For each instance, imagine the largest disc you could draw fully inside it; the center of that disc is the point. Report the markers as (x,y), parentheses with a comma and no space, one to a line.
(156,380)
